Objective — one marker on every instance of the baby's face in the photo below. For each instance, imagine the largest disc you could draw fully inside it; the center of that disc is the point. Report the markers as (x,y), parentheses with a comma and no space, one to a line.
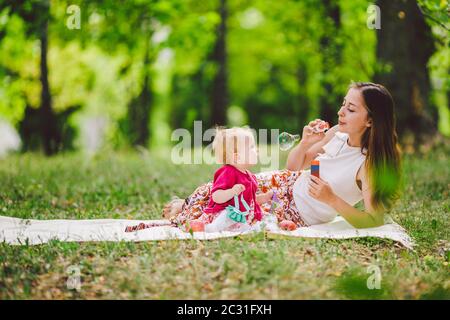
(247,151)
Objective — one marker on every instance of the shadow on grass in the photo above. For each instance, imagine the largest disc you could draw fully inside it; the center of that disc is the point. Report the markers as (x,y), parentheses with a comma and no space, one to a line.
(353,284)
(439,293)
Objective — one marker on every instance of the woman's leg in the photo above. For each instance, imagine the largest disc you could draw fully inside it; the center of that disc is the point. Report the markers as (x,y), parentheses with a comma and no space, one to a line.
(276,181)
(194,205)
(282,183)
(291,213)
(172,208)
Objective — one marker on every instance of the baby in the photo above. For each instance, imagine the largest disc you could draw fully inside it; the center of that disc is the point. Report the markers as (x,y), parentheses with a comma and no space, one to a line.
(235,148)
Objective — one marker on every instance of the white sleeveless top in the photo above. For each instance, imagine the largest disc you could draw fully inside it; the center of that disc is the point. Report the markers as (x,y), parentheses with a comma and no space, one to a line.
(339,165)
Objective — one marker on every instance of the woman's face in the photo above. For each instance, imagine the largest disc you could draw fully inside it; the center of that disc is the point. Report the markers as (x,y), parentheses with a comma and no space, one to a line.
(353,116)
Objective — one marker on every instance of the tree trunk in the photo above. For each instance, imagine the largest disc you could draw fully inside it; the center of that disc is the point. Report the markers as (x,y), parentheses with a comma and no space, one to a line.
(302,96)
(50,135)
(139,108)
(405,45)
(332,58)
(219,90)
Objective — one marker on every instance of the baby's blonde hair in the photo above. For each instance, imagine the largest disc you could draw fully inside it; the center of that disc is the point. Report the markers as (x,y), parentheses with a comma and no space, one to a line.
(226,142)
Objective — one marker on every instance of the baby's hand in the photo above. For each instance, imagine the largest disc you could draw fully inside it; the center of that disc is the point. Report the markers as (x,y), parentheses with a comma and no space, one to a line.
(264,197)
(238,189)
(268,196)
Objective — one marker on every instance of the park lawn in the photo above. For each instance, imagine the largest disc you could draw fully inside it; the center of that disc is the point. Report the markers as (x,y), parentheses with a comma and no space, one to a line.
(135,185)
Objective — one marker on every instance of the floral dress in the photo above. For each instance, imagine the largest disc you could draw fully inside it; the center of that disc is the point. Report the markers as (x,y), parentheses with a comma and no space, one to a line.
(281,182)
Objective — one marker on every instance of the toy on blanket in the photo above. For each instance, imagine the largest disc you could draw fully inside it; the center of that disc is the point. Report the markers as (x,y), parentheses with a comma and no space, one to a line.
(195,226)
(287,225)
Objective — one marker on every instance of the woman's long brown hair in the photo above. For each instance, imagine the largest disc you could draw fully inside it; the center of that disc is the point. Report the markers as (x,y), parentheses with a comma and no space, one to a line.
(383,158)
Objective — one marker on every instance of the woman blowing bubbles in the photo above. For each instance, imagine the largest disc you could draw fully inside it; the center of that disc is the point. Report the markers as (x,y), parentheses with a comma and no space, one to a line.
(359,160)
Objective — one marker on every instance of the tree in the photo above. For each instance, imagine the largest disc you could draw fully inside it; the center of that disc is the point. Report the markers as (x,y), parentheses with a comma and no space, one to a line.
(331,50)
(50,135)
(36,14)
(219,90)
(200,70)
(405,45)
(139,108)
(135,25)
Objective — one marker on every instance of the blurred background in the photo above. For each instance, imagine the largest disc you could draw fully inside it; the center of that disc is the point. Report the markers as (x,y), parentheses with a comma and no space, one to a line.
(82,75)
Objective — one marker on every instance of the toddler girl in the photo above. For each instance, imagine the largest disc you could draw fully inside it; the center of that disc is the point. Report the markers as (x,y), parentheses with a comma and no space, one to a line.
(233,184)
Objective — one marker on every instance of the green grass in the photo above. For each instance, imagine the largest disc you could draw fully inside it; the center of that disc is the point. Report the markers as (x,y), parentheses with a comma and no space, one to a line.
(135,186)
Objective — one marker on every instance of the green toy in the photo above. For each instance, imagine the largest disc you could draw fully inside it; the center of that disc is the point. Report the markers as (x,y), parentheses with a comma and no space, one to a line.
(235,214)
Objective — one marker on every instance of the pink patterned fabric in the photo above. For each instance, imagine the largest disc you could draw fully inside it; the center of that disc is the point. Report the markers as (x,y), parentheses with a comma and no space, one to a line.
(280,181)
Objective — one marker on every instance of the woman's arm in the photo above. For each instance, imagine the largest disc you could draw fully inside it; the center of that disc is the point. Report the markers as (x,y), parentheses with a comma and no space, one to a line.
(296,157)
(357,218)
(375,217)
(308,148)
(316,148)
(369,218)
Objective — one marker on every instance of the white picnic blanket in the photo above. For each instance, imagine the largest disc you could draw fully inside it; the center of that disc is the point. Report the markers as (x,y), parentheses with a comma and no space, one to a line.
(341,229)
(17,231)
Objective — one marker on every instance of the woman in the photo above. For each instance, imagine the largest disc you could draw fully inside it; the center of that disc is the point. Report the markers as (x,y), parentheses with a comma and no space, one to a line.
(359,160)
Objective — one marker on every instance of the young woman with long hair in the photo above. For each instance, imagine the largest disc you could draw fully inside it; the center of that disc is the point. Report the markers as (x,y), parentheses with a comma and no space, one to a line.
(359,161)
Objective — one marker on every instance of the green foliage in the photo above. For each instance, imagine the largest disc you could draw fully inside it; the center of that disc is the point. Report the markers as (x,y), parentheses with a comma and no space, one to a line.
(436,11)
(18,85)
(276,65)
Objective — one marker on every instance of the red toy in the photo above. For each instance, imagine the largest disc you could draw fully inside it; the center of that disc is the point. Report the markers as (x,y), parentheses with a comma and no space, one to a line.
(288,225)
(196,226)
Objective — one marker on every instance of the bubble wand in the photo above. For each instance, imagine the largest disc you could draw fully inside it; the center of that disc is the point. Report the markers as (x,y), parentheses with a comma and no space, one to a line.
(287,140)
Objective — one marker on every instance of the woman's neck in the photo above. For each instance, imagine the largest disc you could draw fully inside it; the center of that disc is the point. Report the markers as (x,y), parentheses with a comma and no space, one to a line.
(354,140)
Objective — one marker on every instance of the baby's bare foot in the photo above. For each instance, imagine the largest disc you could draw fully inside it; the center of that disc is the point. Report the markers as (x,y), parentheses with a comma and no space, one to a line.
(172,208)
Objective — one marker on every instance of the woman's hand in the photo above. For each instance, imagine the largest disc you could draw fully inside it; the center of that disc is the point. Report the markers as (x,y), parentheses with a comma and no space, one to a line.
(321,190)
(309,137)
